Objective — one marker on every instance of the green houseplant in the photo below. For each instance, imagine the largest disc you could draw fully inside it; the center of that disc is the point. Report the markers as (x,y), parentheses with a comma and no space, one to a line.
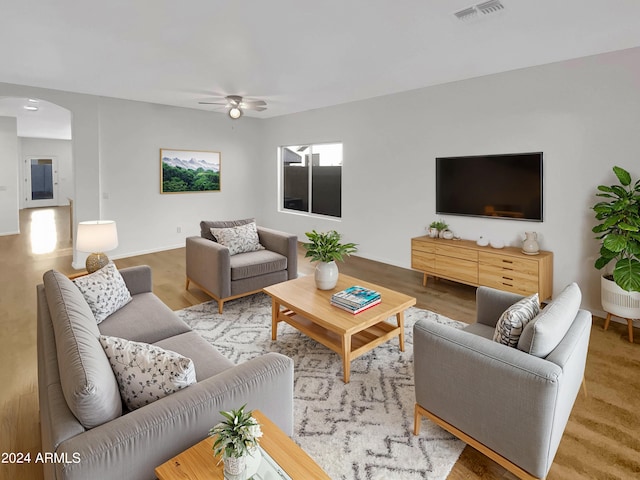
(236,438)
(619,233)
(619,229)
(437,227)
(326,248)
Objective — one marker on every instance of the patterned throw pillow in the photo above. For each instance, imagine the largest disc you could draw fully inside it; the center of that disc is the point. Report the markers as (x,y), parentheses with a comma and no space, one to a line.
(240,239)
(146,373)
(104,291)
(511,323)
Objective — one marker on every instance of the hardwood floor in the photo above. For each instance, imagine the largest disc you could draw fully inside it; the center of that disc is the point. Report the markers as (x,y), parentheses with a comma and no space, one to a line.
(601,440)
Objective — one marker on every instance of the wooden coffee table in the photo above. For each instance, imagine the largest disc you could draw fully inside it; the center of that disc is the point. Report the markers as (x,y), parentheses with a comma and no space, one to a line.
(300,304)
(198,463)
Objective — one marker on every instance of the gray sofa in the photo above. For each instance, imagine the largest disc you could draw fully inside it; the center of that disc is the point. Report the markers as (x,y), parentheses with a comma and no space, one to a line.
(512,404)
(226,277)
(132,444)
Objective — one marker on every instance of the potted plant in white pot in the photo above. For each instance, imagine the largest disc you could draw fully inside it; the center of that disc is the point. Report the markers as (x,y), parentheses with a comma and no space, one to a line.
(619,233)
(236,440)
(326,249)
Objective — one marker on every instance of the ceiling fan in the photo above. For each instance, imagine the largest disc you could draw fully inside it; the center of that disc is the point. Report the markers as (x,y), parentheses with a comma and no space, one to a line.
(237,105)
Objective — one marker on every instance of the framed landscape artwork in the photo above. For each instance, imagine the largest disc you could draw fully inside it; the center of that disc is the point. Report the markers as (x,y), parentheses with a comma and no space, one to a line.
(189,171)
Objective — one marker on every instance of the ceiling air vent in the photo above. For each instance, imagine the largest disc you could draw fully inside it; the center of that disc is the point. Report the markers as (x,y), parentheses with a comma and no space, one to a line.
(467,13)
(492,6)
(481,9)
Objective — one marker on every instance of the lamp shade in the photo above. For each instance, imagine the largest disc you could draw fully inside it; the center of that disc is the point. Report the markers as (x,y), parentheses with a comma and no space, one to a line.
(97,236)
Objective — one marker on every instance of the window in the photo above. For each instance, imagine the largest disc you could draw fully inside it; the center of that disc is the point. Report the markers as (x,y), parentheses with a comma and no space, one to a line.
(312,178)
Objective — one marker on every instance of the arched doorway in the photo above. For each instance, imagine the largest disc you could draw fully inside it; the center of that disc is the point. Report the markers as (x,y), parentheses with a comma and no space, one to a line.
(43,164)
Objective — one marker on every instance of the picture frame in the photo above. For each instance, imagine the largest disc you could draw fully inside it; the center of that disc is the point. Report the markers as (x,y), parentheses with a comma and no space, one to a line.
(189,171)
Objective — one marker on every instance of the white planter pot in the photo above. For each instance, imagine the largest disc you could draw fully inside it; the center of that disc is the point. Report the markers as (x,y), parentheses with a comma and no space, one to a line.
(617,301)
(235,467)
(326,275)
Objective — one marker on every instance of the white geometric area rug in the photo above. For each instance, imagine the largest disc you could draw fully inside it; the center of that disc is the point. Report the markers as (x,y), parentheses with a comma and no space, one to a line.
(362,430)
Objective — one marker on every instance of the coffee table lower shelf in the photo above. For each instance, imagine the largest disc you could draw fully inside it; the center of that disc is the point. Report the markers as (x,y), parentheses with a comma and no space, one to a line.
(349,347)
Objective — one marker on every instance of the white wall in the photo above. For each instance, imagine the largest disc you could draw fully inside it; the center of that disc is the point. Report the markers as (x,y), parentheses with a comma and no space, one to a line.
(131,136)
(583,114)
(45,147)
(9,220)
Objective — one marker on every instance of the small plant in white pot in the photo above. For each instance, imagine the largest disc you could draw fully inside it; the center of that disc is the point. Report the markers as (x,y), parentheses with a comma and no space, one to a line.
(619,233)
(236,441)
(326,249)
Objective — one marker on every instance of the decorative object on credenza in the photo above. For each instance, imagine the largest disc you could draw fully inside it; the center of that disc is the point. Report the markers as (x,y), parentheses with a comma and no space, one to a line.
(447,234)
(189,171)
(96,237)
(326,249)
(496,243)
(530,244)
(236,440)
(482,241)
(440,226)
(619,234)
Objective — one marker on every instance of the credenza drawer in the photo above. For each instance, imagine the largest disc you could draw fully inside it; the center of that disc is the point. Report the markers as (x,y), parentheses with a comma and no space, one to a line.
(456,252)
(465,271)
(423,260)
(510,280)
(419,246)
(522,265)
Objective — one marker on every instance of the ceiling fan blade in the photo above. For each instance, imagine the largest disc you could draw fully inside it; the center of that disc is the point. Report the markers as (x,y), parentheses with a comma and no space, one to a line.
(257,109)
(213,103)
(254,103)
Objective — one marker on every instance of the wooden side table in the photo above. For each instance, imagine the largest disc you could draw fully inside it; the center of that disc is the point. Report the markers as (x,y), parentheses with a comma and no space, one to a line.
(198,463)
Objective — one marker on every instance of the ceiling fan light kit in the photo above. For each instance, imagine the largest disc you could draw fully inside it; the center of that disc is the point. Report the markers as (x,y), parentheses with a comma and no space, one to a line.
(237,105)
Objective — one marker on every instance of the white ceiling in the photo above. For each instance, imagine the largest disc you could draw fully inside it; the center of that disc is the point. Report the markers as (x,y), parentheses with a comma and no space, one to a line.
(296,55)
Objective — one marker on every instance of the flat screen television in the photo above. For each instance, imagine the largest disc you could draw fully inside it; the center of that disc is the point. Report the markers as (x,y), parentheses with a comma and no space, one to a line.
(495,186)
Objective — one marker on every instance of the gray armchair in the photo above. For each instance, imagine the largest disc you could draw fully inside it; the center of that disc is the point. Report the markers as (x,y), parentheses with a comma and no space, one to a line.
(511,404)
(226,277)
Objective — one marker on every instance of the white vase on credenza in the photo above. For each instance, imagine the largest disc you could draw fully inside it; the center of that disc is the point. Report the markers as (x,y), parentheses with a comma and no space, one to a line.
(530,244)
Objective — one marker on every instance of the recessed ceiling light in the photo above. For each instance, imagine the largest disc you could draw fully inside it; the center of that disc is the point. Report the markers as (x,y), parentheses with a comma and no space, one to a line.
(31,108)
(32,100)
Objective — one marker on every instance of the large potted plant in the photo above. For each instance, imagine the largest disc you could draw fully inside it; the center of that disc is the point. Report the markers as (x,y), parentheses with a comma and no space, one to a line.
(619,233)
(326,249)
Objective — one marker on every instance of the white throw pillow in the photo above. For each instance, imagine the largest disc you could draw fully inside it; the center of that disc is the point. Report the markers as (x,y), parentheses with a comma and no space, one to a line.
(513,320)
(104,291)
(240,239)
(146,373)
(543,334)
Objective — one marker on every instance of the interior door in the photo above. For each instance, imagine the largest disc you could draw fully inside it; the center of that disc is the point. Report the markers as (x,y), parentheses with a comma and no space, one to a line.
(41,182)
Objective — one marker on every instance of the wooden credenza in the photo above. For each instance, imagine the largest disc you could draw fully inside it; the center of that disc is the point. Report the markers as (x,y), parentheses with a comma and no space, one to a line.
(465,262)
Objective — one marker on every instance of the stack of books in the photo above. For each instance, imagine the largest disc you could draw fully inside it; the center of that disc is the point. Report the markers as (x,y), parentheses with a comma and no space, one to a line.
(355,299)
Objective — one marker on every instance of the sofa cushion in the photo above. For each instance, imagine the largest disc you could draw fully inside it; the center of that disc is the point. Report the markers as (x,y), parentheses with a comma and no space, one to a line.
(542,334)
(88,383)
(240,239)
(104,291)
(252,264)
(513,320)
(207,225)
(207,360)
(145,319)
(145,372)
